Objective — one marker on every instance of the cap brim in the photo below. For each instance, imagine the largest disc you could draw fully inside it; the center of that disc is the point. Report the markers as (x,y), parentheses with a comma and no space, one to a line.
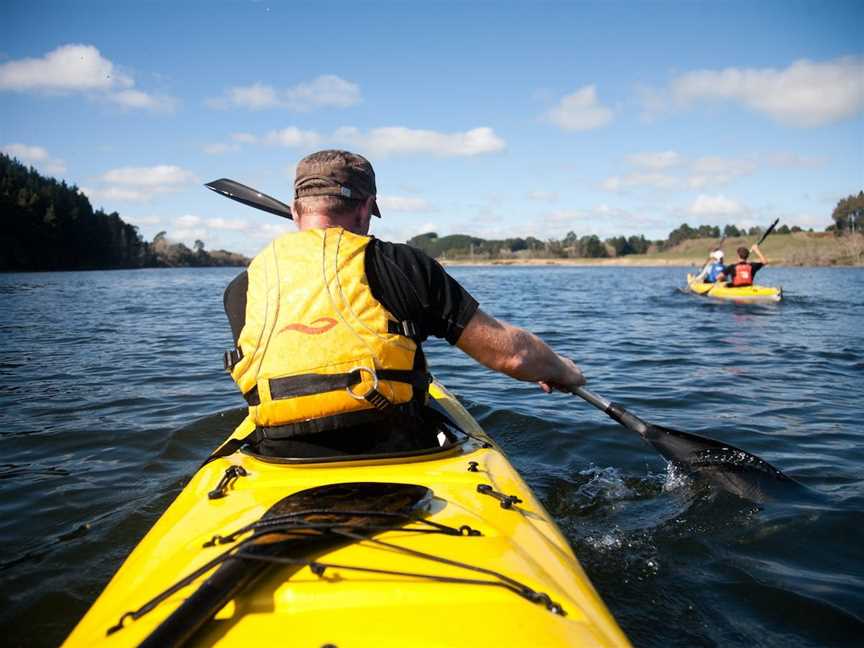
(375,209)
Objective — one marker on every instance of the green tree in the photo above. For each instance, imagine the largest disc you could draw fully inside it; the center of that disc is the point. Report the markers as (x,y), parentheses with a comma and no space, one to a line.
(848,215)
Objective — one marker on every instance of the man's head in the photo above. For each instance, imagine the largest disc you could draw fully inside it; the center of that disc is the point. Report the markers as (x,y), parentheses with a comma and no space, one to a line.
(335,188)
(743,253)
(717,255)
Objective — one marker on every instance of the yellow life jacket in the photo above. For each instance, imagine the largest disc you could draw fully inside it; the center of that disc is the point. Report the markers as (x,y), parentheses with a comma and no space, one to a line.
(316,345)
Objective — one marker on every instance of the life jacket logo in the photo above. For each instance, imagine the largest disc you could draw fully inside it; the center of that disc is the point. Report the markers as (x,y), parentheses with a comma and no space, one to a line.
(316,327)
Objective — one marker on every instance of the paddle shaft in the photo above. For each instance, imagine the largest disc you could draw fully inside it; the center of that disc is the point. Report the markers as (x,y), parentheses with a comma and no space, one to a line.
(614,411)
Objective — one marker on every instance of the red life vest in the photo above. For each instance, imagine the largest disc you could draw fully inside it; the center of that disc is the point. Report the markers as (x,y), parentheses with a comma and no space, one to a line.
(743,275)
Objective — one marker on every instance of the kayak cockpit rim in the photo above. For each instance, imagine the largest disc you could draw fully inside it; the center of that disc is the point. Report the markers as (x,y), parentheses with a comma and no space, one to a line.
(452,441)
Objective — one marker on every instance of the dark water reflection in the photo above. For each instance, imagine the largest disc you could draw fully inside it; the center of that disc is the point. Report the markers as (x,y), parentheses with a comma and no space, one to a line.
(111,391)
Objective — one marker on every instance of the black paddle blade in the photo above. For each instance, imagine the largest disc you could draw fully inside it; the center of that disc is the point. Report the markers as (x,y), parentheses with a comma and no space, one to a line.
(249,196)
(768,231)
(354,507)
(732,469)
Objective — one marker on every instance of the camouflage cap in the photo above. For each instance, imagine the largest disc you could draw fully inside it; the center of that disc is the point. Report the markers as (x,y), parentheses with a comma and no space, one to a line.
(336,173)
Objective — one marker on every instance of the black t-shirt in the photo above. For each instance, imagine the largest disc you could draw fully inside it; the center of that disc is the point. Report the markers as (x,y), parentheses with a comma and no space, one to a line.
(408,283)
(729,270)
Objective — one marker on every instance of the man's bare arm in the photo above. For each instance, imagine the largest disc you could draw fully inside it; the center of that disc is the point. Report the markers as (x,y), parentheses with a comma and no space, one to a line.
(755,248)
(517,353)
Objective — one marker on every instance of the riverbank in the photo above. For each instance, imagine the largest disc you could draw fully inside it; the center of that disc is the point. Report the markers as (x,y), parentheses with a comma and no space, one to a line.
(802,249)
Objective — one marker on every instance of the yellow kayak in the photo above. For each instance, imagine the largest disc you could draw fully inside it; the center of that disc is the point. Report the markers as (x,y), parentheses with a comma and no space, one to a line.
(443,548)
(754,293)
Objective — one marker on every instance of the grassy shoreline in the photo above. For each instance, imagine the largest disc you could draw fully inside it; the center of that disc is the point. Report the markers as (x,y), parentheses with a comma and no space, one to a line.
(802,249)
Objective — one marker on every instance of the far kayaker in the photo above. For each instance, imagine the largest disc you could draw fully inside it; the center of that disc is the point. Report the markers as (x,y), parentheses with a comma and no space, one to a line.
(327,324)
(713,267)
(743,271)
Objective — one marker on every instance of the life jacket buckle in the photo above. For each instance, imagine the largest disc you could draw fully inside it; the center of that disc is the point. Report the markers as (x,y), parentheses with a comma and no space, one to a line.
(231,357)
(372,396)
(406,328)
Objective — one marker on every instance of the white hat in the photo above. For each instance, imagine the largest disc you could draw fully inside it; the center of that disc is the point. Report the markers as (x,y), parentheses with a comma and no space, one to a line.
(717,254)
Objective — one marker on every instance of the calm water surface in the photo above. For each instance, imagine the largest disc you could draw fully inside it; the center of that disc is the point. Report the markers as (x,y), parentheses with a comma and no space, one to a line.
(112,391)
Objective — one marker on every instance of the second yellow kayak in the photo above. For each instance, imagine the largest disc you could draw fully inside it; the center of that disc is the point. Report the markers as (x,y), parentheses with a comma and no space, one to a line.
(754,293)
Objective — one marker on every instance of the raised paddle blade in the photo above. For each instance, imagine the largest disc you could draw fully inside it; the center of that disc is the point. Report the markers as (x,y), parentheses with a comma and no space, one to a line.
(249,196)
(294,527)
(768,231)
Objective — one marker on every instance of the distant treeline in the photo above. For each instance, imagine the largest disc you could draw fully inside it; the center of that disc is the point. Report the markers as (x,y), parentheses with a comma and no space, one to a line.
(848,217)
(49,225)
(461,246)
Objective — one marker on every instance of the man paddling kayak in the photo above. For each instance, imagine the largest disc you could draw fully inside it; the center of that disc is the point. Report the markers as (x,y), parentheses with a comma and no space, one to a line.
(328,324)
(743,271)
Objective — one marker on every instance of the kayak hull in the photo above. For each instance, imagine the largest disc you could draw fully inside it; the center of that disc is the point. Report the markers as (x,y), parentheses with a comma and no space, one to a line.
(754,293)
(343,607)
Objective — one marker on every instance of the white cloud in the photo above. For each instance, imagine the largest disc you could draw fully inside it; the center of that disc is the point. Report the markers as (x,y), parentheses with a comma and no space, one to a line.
(139,99)
(655,161)
(701,173)
(163,177)
(715,171)
(219,148)
(37,156)
(705,205)
(26,153)
(652,180)
(255,97)
(805,94)
(69,68)
(403,204)
(293,137)
(795,161)
(580,111)
(188,221)
(269,231)
(395,140)
(392,140)
(225,224)
(121,194)
(189,234)
(79,68)
(326,91)
(236,143)
(140,184)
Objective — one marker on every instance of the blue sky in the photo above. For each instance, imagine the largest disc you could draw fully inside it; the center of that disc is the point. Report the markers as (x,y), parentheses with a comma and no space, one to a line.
(491,118)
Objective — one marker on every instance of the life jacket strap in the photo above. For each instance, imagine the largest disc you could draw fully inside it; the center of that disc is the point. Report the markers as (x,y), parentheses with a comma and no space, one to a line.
(231,358)
(405,327)
(308,384)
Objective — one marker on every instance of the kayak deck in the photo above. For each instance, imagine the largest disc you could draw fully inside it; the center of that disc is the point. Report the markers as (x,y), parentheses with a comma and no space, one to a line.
(754,293)
(433,600)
